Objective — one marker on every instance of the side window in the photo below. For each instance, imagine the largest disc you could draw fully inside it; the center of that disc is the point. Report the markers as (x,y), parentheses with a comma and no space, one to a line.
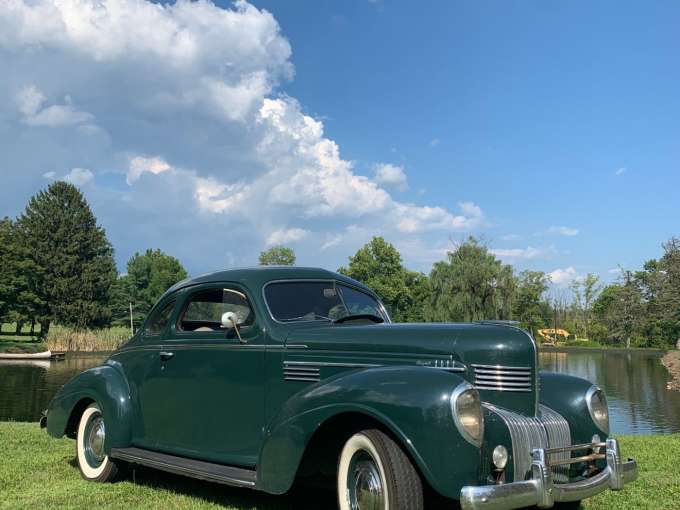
(160,319)
(359,303)
(204,310)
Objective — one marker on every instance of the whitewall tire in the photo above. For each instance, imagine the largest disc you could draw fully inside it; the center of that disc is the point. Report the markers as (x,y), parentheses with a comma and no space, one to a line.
(93,462)
(375,474)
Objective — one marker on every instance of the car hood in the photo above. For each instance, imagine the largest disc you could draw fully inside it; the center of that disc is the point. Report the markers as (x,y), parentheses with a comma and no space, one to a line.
(430,345)
(469,343)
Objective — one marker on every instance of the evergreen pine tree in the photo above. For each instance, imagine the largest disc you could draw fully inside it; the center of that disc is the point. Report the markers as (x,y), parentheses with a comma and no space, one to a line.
(71,257)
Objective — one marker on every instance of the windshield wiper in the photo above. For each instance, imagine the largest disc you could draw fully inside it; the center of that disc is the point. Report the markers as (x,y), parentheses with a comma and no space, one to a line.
(305,317)
(359,316)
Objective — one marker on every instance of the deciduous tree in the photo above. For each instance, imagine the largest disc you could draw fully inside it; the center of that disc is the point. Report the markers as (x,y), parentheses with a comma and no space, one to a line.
(529,305)
(149,275)
(277,256)
(471,284)
(378,265)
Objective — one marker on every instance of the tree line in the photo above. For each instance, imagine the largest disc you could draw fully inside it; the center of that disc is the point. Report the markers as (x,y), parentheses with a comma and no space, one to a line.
(58,266)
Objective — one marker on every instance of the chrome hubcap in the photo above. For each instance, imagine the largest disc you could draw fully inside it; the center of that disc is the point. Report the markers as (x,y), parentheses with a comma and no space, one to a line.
(365,485)
(94,443)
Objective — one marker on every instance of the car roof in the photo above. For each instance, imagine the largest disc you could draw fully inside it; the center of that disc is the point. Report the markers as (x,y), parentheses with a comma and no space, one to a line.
(261,275)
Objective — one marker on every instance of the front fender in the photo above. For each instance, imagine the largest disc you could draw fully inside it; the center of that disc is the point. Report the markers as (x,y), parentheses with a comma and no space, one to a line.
(566,394)
(105,385)
(412,402)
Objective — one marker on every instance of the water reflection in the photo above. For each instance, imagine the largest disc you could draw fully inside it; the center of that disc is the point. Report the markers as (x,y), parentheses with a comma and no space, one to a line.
(27,386)
(635,384)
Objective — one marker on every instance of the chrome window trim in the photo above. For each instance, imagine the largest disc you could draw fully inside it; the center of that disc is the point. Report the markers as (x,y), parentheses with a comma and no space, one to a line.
(189,292)
(318,280)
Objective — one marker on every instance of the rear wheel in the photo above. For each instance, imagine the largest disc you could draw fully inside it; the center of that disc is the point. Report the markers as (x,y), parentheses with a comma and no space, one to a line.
(93,463)
(375,474)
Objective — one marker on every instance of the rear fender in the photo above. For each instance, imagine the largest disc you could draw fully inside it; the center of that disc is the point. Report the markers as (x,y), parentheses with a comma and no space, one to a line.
(106,385)
(412,403)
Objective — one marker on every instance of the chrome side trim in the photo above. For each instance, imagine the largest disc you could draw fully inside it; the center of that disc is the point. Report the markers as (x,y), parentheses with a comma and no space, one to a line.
(540,490)
(451,367)
(228,475)
(330,364)
(216,346)
(501,367)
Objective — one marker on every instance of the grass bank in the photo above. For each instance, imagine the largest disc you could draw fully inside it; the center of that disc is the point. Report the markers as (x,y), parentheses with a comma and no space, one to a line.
(18,346)
(40,472)
(18,340)
(60,338)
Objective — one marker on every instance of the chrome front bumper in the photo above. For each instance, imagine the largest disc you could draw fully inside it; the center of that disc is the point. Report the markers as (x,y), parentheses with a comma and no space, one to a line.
(540,489)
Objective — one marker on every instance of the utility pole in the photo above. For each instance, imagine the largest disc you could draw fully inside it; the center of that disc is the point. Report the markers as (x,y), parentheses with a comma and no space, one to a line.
(132,324)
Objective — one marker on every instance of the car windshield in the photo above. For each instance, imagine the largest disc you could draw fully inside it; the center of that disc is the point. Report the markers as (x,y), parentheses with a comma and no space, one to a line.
(329,301)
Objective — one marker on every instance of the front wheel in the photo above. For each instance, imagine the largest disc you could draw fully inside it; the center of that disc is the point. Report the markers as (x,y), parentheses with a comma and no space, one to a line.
(93,463)
(375,474)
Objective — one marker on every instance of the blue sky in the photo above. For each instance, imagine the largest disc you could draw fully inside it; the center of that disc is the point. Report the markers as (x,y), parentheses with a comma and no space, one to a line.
(550,129)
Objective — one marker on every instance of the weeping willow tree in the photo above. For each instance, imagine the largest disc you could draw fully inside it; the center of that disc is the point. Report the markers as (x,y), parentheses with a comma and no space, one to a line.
(471,284)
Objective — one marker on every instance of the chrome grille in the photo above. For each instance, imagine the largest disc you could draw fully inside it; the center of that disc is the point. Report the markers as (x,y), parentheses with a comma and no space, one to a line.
(548,430)
(293,371)
(502,378)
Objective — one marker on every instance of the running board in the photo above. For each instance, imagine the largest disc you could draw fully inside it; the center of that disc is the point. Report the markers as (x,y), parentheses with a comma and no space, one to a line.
(219,473)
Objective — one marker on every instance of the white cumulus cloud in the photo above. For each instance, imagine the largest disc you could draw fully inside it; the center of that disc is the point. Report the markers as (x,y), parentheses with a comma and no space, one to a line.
(563,277)
(563,231)
(527,253)
(79,176)
(391,175)
(188,110)
(30,101)
(286,235)
(139,165)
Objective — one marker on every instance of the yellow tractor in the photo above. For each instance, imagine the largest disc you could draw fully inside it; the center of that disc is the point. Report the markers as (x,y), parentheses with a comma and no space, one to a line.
(551,336)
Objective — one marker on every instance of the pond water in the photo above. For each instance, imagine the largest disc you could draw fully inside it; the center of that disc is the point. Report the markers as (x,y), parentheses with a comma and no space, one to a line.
(635,384)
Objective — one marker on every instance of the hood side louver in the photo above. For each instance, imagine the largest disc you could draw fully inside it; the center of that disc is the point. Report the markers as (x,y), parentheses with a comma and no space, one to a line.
(502,378)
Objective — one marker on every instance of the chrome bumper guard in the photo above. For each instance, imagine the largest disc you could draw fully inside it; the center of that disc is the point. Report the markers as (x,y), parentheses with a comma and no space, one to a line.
(540,490)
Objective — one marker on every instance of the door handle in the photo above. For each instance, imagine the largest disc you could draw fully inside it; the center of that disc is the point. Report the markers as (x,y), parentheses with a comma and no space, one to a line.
(165,356)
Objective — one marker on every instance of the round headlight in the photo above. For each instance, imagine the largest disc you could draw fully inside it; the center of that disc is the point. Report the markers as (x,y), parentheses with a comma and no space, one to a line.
(500,456)
(467,413)
(597,406)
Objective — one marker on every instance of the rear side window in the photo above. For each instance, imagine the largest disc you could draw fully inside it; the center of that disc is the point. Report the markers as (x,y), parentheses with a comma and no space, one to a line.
(204,310)
(160,319)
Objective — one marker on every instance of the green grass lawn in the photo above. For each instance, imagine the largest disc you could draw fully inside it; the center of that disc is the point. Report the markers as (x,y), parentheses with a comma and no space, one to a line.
(37,471)
(16,345)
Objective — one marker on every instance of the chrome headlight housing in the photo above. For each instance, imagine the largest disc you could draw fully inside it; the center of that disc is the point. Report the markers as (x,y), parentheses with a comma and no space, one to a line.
(468,415)
(597,407)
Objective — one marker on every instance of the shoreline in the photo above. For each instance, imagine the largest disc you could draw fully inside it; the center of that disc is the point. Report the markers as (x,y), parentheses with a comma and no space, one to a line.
(671,361)
(616,350)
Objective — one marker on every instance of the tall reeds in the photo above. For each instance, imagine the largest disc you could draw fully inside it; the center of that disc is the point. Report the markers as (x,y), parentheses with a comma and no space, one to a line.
(61,338)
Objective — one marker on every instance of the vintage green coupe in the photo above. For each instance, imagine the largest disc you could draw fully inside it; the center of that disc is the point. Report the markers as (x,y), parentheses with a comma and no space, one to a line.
(256,377)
